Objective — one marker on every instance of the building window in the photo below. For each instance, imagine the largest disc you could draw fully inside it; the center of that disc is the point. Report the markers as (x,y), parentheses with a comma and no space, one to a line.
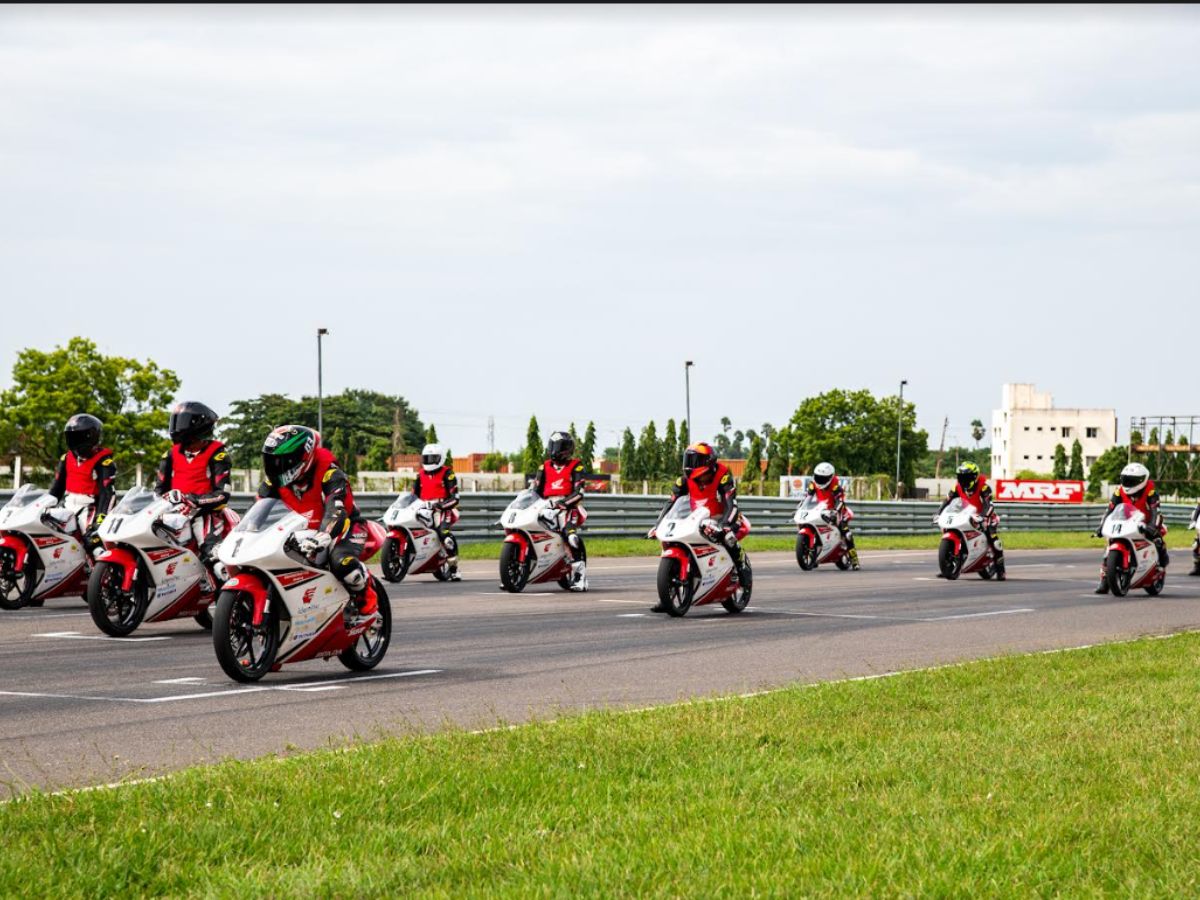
(1039,456)
(1039,428)
(1090,460)
(1093,432)
(1026,456)
(1026,427)
(1053,427)
(1066,431)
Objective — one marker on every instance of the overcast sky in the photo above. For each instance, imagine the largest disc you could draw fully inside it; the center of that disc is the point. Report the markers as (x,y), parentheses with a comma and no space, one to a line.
(499,212)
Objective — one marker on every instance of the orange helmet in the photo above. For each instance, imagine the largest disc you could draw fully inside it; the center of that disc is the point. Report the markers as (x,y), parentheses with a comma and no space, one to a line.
(699,456)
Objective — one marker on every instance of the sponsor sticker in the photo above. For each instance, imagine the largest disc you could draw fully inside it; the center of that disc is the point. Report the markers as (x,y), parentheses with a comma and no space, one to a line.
(1010,490)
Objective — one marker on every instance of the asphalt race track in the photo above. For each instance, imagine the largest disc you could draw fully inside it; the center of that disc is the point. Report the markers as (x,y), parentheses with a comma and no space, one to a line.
(79,708)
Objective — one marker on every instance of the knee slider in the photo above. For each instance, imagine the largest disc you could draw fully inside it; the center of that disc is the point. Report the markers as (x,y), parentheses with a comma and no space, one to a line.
(573,540)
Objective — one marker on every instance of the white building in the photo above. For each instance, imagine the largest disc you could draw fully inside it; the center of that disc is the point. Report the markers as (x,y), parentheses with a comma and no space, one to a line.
(1027,427)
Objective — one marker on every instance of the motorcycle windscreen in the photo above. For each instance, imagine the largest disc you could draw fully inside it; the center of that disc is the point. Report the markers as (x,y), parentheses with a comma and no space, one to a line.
(403,502)
(957,506)
(809,502)
(135,500)
(26,495)
(680,509)
(524,500)
(263,515)
(1125,512)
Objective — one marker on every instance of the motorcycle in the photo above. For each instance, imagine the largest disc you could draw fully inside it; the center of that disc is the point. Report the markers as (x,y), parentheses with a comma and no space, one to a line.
(818,539)
(42,551)
(533,551)
(279,606)
(695,567)
(1131,560)
(150,568)
(413,545)
(964,547)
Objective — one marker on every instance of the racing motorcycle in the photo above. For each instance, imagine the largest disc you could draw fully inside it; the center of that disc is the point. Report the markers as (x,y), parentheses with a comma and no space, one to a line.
(533,551)
(818,539)
(413,545)
(150,568)
(1131,560)
(42,551)
(279,606)
(695,567)
(964,547)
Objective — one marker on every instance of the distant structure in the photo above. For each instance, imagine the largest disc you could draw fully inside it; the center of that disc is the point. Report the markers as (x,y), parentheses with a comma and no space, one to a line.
(1027,427)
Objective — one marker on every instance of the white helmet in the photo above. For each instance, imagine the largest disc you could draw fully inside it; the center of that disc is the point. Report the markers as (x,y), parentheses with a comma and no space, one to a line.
(433,457)
(823,474)
(1134,477)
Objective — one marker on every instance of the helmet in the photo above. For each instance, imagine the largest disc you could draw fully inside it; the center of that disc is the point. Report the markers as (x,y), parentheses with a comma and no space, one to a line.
(562,447)
(699,456)
(1134,478)
(288,454)
(191,421)
(968,476)
(82,433)
(433,457)
(823,474)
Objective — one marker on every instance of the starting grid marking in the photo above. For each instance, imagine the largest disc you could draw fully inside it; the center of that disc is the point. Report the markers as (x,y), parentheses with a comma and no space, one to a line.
(331,684)
(76,636)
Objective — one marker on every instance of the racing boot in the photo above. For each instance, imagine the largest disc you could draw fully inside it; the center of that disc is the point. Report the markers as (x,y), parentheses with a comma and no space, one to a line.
(362,591)
(453,576)
(852,555)
(1103,588)
(1164,558)
(366,601)
(1000,576)
(1195,561)
(579,582)
(451,547)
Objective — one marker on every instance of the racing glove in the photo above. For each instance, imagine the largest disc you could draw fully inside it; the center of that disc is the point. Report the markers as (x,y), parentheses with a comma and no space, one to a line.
(314,543)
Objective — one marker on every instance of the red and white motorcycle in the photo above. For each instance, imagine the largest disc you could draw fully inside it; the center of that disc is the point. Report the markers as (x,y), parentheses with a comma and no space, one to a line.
(413,545)
(42,551)
(964,546)
(533,551)
(695,567)
(281,607)
(1131,560)
(818,539)
(150,568)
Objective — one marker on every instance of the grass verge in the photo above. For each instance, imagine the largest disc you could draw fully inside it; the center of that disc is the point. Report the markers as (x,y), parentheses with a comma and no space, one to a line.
(1177,539)
(1073,773)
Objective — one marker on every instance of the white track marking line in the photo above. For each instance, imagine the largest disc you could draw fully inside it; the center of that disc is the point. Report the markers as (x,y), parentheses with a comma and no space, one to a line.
(76,636)
(633,616)
(324,687)
(615,600)
(40,615)
(980,615)
(521,594)
(191,679)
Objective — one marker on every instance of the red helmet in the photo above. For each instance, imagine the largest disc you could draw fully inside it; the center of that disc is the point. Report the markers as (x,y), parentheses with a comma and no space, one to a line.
(699,456)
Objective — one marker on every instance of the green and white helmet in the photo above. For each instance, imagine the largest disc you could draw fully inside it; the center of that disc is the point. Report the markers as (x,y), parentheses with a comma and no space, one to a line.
(288,454)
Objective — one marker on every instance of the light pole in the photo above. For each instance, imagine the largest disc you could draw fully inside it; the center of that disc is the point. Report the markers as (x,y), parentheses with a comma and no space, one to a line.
(321,332)
(899,423)
(687,387)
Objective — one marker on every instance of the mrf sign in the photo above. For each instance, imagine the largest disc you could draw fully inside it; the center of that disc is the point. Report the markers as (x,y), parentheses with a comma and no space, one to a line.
(1012,491)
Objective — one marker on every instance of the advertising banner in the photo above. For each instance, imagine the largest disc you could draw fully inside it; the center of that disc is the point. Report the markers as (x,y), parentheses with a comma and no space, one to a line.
(1009,490)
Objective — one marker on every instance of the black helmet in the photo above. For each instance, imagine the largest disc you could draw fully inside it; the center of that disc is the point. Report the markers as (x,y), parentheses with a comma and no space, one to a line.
(968,476)
(83,434)
(288,454)
(191,421)
(562,448)
(699,456)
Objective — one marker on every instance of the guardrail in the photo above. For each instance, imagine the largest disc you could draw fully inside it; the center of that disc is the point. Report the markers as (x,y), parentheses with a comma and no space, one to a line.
(632,515)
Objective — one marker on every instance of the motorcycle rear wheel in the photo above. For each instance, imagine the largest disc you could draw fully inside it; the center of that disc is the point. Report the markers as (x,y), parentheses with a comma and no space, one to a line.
(675,594)
(1155,587)
(806,552)
(514,574)
(949,562)
(234,637)
(116,612)
(843,562)
(16,588)
(370,649)
(741,599)
(394,563)
(204,618)
(1118,579)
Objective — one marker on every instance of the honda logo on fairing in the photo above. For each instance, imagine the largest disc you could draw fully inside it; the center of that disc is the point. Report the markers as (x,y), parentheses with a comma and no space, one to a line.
(1013,491)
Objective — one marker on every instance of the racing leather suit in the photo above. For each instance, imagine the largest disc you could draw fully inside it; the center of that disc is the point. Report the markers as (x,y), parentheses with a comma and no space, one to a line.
(203,477)
(93,478)
(1147,503)
(981,499)
(441,487)
(565,484)
(717,490)
(835,496)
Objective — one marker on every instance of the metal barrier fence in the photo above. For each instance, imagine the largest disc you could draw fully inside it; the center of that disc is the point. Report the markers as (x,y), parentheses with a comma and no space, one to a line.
(632,515)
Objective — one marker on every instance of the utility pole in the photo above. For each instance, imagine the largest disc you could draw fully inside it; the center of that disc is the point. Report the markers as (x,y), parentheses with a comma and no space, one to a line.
(491,434)
(687,387)
(937,470)
(899,423)
(321,332)
(395,434)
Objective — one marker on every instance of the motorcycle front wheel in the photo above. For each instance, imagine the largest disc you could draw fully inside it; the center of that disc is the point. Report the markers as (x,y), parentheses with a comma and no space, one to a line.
(369,650)
(674,593)
(245,653)
(394,563)
(16,588)
(949,562)
(806,552)
(514,574)
(1118,577)
(115,611)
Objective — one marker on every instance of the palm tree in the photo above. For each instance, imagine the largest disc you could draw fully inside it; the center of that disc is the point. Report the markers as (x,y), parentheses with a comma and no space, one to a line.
(977,431)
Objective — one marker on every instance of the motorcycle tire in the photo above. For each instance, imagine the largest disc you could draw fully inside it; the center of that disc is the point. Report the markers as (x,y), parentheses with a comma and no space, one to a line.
(806,553)
(16,588)
(442,572)
(988,572)
(741,599)
(1155,587)
(843,562)
(394,563)
(233,637)
(949,563)
(368,652)
(204,618)
(675,595)
(1118,580)
(129,609)
(514,574)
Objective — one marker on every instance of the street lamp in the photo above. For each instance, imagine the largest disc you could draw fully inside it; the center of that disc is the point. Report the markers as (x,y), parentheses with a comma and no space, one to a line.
(687,387)
(899,423)
(321,332)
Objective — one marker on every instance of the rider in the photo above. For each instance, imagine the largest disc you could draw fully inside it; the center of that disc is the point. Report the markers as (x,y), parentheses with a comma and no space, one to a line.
(195,473)
(437,482)
(306,477)
(86,471)
(560,479)
(707,481)
(973,488)
(1138,490)
(826,487)
(1196,545)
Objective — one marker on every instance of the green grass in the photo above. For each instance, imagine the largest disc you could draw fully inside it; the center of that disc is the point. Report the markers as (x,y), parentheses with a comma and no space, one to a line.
(1177,538)
(1073,773)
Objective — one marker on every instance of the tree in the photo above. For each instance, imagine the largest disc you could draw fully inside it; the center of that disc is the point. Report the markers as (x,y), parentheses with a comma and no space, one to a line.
(1075,472)
(977,431)
(48,387)
(671,454)
(630,470)
(431,434)
(650,452)
(729,445)
(685,438)
(612,454)
(1107,468)
(777,455)
(534,451)
(752,476)
(1060,461)
(587,449)
(493,462)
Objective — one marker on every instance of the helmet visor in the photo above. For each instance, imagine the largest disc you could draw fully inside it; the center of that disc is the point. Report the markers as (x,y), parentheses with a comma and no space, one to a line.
(822,480)
(967,479)
(695,459)
(83,440)
(431,460)
(1133,482)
